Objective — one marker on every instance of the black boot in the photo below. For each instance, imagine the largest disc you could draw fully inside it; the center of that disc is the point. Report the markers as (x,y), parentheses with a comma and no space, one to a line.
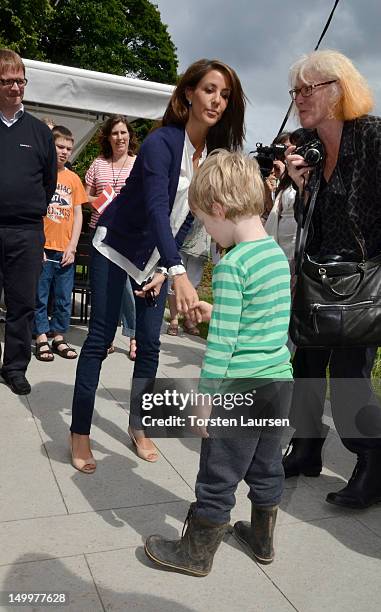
(258,536)
(364,486)
(194,553)
(304,456)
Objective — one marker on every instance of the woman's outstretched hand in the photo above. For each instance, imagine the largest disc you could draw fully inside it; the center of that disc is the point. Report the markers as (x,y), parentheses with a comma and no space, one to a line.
(185,294)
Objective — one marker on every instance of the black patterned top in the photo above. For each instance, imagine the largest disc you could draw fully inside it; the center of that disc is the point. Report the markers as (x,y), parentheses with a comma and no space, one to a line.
(347,217)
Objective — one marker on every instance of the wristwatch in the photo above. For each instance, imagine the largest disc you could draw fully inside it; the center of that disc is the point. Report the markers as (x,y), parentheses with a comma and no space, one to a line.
(162,270)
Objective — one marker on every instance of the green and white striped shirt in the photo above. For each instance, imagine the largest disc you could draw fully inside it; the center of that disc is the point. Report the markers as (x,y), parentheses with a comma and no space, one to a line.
(248,329)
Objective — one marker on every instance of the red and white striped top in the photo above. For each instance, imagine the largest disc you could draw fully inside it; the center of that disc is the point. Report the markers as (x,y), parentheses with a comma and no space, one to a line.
(100,174)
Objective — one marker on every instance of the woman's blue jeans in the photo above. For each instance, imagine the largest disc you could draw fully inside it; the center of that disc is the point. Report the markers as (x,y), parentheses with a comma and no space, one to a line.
(127,313)
(107,285)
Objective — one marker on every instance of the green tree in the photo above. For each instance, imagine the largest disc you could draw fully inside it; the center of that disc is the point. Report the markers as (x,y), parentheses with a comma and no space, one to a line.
(22,25)
(88,34)
(150,47)
(124,37)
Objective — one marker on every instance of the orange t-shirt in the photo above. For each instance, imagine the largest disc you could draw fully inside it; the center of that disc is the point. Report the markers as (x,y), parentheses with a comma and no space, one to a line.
(58,223)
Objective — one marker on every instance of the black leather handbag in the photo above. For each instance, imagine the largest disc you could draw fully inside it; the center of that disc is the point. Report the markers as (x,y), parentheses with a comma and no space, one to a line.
(336,303)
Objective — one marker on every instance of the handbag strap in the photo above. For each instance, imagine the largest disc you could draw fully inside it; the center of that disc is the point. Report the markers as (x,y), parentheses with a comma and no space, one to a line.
(302,230)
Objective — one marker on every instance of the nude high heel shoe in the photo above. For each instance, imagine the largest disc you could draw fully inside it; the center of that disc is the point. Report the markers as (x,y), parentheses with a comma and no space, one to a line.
(87,466)
(148,455)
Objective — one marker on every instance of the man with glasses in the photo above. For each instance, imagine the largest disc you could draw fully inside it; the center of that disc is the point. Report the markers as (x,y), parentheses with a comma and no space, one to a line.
(28,175)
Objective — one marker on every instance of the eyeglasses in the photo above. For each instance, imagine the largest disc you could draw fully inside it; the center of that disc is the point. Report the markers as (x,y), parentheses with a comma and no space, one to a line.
(11,82)
(307,90)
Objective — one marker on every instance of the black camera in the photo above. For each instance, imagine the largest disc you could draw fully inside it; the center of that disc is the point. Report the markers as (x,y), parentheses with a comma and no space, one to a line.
(266,155)
(307,145)
(312,152)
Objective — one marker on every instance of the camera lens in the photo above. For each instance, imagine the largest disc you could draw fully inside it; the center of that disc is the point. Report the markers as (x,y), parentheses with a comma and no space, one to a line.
(312,157)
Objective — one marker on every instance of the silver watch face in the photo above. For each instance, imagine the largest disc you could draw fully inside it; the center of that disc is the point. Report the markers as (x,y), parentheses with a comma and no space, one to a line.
(162,271)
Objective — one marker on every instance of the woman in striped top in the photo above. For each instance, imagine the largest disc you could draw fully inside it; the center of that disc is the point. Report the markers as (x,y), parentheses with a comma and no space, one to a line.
(112,168)
(118,145)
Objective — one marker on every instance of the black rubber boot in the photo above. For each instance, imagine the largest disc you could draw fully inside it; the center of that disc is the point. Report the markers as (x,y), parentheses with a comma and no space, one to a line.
(258,536)
(303,456)
(193,554)
(364,486)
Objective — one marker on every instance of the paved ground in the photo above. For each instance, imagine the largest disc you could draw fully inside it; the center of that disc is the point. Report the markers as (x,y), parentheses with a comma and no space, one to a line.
(61,530)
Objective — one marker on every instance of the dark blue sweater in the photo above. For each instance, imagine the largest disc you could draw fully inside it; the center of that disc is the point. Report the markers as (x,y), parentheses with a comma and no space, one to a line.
(28,172)
(138,219)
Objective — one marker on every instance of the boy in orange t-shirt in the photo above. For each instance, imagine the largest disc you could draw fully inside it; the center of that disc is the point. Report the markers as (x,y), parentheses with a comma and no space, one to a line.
(62,226)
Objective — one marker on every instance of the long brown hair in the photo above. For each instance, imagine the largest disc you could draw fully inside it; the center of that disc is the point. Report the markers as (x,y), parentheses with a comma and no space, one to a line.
(229,132)
(106,130)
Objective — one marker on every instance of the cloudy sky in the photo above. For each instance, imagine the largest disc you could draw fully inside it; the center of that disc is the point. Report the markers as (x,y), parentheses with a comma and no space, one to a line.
(261,39)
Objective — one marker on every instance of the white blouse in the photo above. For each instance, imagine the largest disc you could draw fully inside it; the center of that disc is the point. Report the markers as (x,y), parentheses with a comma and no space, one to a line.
(281,223)
(178,215)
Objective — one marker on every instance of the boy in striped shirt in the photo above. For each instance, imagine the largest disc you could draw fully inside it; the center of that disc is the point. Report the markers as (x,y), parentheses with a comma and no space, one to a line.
(246,342)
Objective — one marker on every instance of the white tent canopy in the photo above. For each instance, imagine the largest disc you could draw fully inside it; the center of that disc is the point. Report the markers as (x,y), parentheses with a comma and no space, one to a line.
(80,99)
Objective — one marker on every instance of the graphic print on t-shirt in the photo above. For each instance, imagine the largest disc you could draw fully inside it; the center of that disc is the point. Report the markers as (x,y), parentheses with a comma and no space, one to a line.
(58,223)
(60,206)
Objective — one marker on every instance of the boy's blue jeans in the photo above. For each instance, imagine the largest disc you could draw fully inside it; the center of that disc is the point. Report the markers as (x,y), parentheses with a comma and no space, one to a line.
(257,460)
(62,280)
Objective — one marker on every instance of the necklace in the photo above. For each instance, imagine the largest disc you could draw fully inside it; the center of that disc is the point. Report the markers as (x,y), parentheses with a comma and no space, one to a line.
(115,180)
(197,154)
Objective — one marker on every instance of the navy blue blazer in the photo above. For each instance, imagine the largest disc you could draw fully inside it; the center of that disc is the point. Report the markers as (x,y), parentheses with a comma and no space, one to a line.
(137,220)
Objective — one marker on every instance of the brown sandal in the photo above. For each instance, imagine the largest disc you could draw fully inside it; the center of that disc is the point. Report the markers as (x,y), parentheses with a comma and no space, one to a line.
(173,329)
(40,351)
(192,330)
(64,352)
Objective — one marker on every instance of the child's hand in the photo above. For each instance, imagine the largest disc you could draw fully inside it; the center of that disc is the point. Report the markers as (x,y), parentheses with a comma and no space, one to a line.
(201,312)
(68,256)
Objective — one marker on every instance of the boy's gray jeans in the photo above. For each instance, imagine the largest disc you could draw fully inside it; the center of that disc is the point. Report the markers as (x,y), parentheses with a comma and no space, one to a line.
(257,460)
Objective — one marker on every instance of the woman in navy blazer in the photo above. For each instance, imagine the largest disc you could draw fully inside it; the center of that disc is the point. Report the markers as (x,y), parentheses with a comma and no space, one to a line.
(140,233)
